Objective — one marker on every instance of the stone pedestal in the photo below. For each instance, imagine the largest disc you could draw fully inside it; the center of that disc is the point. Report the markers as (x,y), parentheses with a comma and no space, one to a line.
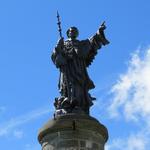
(73,132)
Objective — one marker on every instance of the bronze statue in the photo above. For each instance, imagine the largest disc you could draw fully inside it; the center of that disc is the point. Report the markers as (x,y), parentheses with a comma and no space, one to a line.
(72,57)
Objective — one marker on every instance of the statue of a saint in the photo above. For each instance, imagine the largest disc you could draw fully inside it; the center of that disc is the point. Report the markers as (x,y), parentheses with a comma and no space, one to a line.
(72,57)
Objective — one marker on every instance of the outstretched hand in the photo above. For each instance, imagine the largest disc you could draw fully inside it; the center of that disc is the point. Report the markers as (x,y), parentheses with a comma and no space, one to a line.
(102,27)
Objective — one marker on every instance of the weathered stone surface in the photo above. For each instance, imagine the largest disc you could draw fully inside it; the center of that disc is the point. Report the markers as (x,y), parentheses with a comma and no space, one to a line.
(73,132)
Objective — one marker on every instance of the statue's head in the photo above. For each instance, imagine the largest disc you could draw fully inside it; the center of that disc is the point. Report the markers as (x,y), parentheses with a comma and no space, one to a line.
(72,32)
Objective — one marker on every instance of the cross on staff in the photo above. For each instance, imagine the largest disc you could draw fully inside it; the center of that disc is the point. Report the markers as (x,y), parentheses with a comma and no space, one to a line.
(59,25)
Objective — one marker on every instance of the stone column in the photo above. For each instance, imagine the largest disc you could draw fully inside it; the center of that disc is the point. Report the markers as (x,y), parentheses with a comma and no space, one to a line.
(73,132)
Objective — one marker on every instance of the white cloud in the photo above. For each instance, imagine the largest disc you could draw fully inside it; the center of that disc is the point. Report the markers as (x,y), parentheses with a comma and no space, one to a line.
(136,141)
(131,100)
(9,127)
(132,90)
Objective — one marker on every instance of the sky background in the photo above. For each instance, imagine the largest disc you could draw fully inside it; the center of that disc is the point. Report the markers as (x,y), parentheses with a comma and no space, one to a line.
(121,70)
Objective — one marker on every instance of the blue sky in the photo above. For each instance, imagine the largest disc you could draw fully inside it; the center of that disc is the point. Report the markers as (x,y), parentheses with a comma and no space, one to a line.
(28,78)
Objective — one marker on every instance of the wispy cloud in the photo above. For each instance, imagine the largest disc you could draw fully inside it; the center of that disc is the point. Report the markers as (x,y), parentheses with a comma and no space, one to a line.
(131,99)
(11,125)
(32,147)
(135,141)
(131,93)
(18,134)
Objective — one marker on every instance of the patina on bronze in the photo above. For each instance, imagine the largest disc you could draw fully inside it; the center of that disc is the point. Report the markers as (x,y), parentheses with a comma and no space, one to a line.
(72,57)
